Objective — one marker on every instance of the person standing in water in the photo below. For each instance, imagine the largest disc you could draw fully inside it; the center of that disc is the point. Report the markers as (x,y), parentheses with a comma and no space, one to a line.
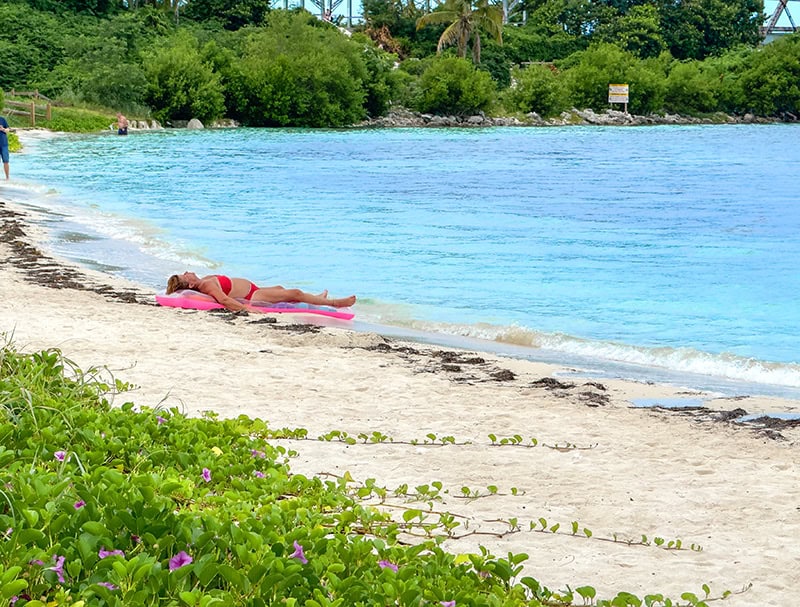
(122,124)
(4,131)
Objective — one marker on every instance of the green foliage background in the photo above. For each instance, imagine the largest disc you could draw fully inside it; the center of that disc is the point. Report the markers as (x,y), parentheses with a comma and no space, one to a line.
(262,66)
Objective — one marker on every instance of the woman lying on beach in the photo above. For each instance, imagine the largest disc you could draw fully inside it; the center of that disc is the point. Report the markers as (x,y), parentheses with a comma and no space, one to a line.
(226,290)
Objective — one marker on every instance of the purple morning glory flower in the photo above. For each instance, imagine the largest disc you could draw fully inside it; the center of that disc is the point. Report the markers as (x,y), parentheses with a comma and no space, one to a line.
(179,560)
(58,567)
(447,603)
(103,553)
(257,453)
(60,455)
(108,585)
(79,504)
(206,474)
(160,420)
(13,600)
(384,564)
(37,562)
(258,474)
(298,553)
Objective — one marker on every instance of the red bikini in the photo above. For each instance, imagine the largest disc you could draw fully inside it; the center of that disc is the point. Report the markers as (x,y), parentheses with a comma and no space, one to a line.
(226,284)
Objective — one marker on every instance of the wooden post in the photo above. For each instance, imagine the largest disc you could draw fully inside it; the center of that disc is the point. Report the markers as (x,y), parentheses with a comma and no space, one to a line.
(33,114)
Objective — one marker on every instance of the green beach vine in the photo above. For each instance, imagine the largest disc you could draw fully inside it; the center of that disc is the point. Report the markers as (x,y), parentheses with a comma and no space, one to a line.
(114,506)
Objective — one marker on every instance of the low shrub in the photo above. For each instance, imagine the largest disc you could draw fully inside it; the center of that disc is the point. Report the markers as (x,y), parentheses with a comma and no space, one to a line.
(451,85)
(76,120)
(110,506)
(536,88)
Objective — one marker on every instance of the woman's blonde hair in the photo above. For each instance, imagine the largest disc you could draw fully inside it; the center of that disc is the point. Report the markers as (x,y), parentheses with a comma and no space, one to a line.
(175,283)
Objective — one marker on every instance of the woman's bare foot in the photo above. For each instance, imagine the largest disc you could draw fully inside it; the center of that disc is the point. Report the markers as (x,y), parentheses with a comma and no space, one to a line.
(324,294)
(344,302)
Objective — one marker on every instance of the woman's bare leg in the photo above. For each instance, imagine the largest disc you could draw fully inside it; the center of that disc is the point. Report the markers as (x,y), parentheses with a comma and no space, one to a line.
(279,294)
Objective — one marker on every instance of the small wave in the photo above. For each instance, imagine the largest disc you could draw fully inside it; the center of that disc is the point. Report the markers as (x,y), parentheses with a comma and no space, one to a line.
(150,239)
(680,360)
(21,192)
(66,224)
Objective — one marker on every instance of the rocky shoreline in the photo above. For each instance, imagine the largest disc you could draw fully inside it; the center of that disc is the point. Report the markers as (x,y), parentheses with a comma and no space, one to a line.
(404,118)
(401,117)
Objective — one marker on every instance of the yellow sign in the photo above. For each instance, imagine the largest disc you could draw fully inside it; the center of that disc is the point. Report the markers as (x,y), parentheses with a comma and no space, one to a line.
(618,93)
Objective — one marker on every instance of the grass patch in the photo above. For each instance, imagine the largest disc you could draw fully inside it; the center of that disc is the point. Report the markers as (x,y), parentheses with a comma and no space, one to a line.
(67,119)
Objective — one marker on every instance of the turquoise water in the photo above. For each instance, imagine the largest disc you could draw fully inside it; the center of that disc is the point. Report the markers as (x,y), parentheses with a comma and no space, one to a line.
(669,249)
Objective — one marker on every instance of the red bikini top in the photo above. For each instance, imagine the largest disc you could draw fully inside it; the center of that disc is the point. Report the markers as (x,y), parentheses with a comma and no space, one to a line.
(225,283)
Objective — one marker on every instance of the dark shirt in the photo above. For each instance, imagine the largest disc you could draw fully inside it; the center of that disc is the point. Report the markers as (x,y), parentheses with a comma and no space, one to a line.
(3,136)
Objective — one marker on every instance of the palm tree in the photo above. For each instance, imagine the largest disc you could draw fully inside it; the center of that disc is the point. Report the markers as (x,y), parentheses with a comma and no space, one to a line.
(464,22)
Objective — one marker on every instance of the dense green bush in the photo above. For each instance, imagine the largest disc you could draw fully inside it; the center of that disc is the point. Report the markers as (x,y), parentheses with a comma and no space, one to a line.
(102,63)
(451,85)
(180,84)
(382,82)
(771,83)
(75,120)
(689,90)
(299,72)
(230,14)
(495,61)
(541,38)
(537,88)
(589,72)
(724,77)
(696,29)
(637,32)
(31,44)
(100,71)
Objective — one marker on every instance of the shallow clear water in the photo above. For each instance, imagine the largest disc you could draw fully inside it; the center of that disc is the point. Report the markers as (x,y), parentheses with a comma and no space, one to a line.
(668,247)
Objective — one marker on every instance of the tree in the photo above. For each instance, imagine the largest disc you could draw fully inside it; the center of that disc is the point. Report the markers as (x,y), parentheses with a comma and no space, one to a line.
(695,29)
(90,7)
(31,44)
(300,71)
(638,32)
(689,90)
(180,84)
(452,85)
(231,14)
(465,22)
(543,38)
(588,74)
(537,88)
(771,84)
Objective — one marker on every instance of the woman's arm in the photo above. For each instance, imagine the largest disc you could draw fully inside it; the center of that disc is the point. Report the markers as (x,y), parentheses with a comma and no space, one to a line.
(210,286)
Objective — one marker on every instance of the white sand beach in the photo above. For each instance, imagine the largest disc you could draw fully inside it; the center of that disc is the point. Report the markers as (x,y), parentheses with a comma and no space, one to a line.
(621,472)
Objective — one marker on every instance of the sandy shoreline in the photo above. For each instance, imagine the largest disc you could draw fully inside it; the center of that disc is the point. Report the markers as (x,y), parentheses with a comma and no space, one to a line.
(621,472)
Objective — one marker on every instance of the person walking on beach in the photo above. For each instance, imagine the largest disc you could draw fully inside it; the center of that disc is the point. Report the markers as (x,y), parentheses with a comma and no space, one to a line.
(122,124)
(4,131)
(226,290)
